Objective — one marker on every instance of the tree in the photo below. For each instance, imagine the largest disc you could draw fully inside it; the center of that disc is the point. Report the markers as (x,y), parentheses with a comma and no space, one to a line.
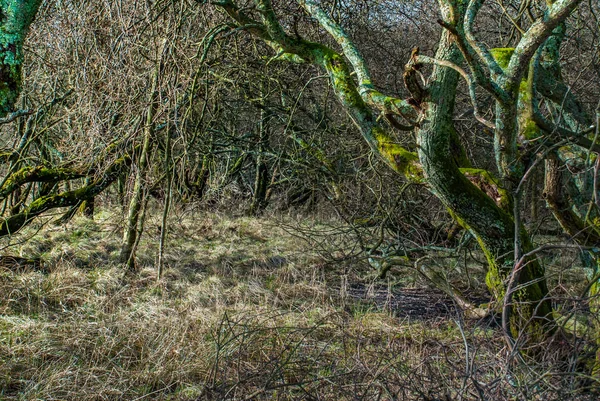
(516,78)
(39,171)
(16,19)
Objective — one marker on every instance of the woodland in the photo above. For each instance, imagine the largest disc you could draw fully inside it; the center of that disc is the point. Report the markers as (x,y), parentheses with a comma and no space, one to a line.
(300,200)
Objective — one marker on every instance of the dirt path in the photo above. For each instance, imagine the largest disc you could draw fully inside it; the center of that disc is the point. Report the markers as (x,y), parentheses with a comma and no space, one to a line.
(412,303)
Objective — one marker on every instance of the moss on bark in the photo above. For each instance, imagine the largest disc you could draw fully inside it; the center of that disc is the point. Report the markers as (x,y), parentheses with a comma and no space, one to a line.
(37,174)
(44,203)
(16,17)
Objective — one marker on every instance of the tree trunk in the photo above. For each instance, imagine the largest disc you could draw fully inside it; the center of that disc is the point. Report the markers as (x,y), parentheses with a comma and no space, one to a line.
(488,219)
(16,17)
(261,175)
(201,181)
(168,195)
(87,206)
(131,233)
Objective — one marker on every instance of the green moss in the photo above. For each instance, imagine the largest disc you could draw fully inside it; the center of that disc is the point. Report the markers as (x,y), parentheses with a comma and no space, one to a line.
(502,55)
(343,83)
(493,278)
(530,301)
(490,185)
(530,130)
(401,160)
(524,95)
(19,14)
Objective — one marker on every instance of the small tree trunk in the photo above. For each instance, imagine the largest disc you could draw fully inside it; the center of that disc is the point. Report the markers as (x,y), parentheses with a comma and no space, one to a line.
(139,228)
(87,207)
(261,183)
(269,192)
(201,181)
(261,176)
(137,199)
(164,227)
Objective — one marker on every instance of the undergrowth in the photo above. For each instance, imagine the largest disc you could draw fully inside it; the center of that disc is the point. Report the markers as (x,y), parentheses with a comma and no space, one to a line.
(244,311)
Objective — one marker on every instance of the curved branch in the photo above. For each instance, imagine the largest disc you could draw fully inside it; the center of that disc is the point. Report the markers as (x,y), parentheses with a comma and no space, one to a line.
(533,39)
(366,88)
(484,55)
(470,83)
(475,64)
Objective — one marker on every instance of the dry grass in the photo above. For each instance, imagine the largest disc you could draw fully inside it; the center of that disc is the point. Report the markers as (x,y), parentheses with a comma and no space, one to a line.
(244,311)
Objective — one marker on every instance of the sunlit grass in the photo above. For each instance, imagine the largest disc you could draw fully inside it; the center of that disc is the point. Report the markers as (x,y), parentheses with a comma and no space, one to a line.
(244,310)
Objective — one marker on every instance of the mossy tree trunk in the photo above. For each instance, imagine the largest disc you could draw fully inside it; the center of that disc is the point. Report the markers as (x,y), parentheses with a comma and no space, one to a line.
(16,17)
(488,215)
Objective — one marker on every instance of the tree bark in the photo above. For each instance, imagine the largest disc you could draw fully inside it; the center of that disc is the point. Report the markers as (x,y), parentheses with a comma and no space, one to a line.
(131,233)
(16,17)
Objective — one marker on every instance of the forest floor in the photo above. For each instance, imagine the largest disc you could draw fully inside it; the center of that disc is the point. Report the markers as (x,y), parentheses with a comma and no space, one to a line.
(245,310)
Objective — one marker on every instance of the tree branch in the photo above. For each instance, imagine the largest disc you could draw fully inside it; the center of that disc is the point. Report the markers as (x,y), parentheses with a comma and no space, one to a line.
(470,83)
(533,39)
(373,97)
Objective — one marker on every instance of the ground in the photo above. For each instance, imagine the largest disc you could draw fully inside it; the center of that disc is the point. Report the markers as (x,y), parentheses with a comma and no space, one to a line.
(246,310)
